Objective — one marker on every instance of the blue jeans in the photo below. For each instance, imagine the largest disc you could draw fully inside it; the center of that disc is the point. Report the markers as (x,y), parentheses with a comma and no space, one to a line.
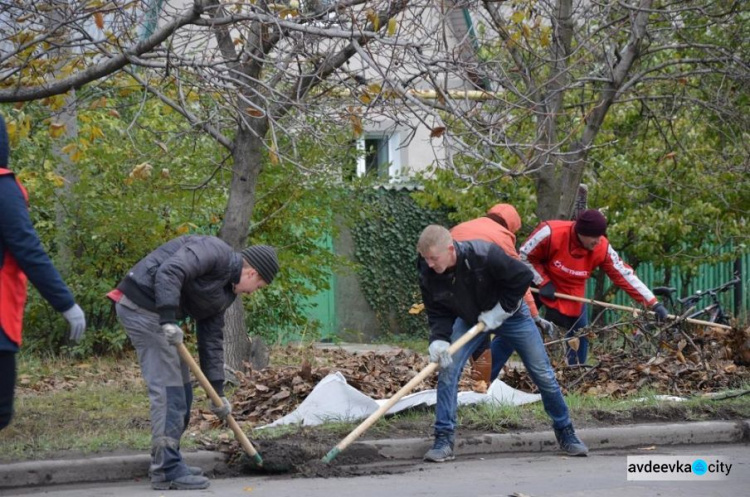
(579,357)
(572,324)
(502,350)
(521,333)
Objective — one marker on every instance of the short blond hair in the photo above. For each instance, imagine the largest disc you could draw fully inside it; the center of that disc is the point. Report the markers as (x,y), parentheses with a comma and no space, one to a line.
(434,236)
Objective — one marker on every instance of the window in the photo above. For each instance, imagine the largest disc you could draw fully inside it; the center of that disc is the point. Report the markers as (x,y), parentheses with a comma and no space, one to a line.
(378,156)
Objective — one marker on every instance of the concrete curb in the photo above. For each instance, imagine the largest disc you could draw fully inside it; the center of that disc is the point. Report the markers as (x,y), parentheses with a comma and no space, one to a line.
(618,437)
(117,468)
(96,469)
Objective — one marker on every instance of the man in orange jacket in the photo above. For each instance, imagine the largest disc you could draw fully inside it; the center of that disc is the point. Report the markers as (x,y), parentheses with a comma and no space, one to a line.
(499,226)
(562,255)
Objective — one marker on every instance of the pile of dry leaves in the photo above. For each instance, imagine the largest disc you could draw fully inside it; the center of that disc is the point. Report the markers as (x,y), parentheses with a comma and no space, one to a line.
(712,360)
(618,375)
(264,396)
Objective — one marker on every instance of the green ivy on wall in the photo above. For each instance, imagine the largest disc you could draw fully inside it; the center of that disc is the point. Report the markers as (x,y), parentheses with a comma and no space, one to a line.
(385,248)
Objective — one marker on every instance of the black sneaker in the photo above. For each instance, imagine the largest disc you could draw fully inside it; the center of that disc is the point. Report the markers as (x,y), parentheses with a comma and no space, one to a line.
(569,441)
(442,449)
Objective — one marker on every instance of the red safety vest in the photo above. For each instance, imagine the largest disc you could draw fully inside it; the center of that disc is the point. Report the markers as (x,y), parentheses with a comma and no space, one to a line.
(12,287)
(556,255)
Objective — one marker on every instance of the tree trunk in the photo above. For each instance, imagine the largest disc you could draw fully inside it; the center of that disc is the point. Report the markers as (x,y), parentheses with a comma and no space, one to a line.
(557,186)
(248,159)
(572,175)
(65,168)
(549,176)
(66,117)
(237,346)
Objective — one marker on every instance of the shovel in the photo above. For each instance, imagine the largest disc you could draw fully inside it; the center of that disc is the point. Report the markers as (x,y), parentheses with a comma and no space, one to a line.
(631,309)
(359,430)
(238,433)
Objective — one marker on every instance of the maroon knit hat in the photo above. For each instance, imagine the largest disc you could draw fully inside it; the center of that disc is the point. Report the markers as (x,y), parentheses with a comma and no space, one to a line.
(591,222)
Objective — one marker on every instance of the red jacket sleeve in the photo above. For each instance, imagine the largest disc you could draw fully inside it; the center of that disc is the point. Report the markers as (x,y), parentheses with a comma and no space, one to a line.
(624,277)
(534,252)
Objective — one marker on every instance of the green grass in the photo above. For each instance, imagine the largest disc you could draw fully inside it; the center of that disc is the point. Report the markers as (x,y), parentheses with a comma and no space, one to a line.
(70,407)
(406,342)
(499,419)
(587,410)
(82,420)
(86,421)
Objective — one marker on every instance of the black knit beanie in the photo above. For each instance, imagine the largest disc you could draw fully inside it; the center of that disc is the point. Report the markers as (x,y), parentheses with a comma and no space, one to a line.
(591,222)
(4,146)
(263,259)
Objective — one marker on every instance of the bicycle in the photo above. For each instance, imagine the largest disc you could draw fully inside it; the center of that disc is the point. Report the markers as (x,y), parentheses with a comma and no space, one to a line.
(674,335)
(713,313)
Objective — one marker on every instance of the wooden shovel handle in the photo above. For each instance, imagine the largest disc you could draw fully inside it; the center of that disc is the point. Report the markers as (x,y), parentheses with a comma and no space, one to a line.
(196,370)
(631,309)
(359,430)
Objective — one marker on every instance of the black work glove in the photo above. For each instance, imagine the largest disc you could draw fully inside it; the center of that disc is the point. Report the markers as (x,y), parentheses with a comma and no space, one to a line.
(548,291)
(660,311)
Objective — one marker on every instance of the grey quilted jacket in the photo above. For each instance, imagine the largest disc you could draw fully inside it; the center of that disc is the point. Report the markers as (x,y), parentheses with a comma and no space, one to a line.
(190,276)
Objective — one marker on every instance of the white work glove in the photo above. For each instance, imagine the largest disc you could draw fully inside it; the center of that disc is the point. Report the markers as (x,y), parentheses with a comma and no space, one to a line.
(439,353)
(77,321)
(545,326)
(172,333)
(223,411)
(493,318)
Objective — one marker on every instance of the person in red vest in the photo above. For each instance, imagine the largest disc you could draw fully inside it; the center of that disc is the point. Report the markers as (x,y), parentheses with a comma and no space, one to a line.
(562,255)
(499,226)
(22,259)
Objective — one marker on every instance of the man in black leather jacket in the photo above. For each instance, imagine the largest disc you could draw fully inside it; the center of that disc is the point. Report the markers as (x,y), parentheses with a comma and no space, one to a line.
(191,276)
(466,282)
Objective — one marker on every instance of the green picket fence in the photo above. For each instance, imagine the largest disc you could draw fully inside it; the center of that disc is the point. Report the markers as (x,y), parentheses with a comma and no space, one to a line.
(709,276)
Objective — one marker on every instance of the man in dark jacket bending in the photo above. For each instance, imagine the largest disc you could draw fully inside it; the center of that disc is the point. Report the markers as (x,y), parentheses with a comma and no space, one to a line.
(466,282)
(191,276)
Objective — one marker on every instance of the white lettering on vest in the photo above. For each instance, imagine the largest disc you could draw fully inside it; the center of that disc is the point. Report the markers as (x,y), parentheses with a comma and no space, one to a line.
(574,272)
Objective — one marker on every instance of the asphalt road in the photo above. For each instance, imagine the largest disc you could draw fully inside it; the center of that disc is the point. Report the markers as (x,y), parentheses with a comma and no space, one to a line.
(533,475)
